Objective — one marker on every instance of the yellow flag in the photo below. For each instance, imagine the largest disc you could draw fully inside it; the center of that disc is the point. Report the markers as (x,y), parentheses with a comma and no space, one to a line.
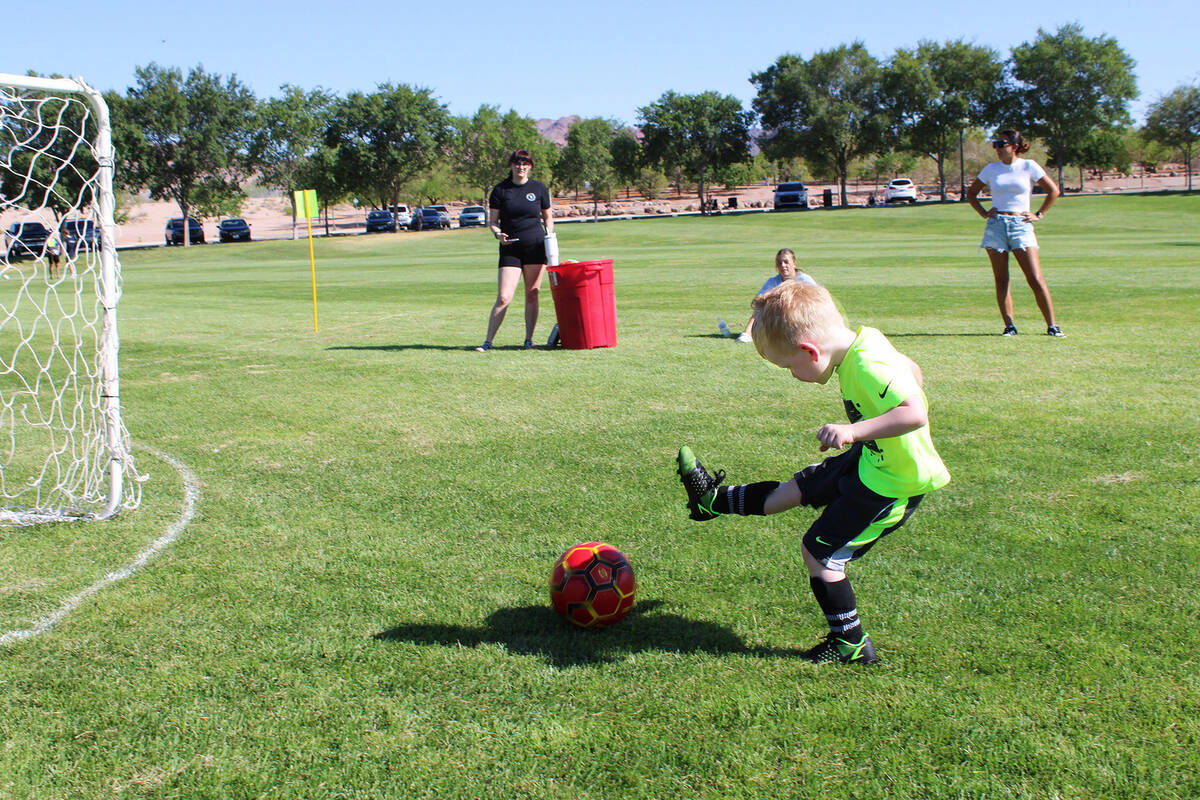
(306,203)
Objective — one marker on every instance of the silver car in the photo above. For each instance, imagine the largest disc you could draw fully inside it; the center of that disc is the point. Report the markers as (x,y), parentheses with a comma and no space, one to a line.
(472,216)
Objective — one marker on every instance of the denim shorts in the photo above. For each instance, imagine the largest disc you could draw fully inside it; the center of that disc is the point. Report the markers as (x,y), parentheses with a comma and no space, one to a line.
(1003,233)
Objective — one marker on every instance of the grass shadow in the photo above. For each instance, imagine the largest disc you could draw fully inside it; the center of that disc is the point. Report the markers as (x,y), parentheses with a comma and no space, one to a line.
(538,631)
(390,348)
(956,335)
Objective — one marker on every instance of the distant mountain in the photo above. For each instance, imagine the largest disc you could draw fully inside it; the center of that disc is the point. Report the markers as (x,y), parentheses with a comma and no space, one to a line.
(555,130)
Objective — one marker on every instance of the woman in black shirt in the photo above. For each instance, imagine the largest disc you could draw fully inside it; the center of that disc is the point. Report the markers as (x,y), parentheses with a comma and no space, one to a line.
(519,216)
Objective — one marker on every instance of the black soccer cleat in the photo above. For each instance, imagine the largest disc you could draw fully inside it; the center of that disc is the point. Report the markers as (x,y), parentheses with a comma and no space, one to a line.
(701,487)
(1009,330)
(835,649)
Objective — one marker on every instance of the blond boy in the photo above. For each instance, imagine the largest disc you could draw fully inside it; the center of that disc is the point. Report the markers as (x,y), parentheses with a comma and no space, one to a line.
(866,492)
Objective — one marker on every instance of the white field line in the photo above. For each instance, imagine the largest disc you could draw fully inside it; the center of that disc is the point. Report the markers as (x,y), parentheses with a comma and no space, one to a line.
(191,498)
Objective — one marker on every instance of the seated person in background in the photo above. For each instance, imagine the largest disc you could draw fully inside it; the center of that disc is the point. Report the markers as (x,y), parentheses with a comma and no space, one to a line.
(785,265)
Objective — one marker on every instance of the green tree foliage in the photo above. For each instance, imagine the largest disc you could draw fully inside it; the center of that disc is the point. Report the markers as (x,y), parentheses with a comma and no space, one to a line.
(483,143)
(1102,149)
(319,171)
(1067,85)
(1174,120)
(937,91)
(827,110)
(291,130)
(1144,150)
(626,153)
(650,183)
(695,133)
(186,140)
(384,139)
(44,157)
(587,158)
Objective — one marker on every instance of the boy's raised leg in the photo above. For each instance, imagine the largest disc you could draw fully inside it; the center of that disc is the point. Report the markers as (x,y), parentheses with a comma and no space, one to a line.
(701,487)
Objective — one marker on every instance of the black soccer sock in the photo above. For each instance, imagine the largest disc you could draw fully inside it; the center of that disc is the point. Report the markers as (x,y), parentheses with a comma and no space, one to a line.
(841,609)
(749,499)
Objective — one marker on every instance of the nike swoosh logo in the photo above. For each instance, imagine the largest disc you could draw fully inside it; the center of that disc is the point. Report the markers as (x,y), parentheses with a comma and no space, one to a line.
(822,541)
(881,394)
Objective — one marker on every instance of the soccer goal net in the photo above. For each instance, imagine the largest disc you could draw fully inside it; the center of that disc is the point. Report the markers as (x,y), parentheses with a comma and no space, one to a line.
(64,451)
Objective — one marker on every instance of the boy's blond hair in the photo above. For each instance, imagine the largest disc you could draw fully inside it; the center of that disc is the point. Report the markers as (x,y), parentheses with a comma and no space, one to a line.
(793,312)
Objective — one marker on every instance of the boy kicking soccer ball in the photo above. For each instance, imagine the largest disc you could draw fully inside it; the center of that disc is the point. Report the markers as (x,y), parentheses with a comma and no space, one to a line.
(866,492)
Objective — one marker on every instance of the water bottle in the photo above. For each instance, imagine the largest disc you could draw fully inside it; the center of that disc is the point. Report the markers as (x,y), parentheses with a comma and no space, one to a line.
(723,328)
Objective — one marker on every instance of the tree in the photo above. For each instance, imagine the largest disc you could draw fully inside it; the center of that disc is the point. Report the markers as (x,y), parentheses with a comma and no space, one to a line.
(937,91)
(319,171)
(480,150)
(827,110)
(626,153)
(695,133)
(483,143)
(291,130)
(1066,85)
(1102,149)
(650,183)
(385,139)
(587,158)
(187,140)
(44,158)
(1174,120)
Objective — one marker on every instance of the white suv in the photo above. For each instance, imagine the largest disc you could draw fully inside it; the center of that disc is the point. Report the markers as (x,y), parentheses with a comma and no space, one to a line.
(402,215)
(900,189)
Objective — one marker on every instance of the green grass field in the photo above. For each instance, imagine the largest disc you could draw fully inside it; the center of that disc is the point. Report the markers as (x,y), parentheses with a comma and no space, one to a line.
(359,608)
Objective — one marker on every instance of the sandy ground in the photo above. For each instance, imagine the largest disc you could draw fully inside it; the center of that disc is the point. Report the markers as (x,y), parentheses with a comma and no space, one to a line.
(269,217)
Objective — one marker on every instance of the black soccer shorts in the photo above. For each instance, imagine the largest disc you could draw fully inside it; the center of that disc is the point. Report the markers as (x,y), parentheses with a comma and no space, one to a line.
(854,517)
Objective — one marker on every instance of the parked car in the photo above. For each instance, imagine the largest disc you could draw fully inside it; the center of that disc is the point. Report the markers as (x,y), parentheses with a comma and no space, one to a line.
(791,196)
(26,239)
(472,216)
(174,231)
(430,218)
(80,234)
(402,215)
(380,222)
(234,229)
(900,189)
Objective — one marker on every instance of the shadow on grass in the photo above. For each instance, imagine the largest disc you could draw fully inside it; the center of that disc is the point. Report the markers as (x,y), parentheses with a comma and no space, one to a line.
(955,335)
(389,348)
(538,631)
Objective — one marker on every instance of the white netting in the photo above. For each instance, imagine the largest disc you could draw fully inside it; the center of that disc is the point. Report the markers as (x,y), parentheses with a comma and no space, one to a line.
(64,452)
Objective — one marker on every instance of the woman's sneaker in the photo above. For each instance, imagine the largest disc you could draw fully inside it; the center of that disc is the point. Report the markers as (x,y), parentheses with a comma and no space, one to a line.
(701,487)
(1054,330)
(1009,330)
(483,348)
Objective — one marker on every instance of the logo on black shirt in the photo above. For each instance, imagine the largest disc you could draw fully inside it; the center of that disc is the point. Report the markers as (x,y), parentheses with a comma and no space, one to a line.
(531,197)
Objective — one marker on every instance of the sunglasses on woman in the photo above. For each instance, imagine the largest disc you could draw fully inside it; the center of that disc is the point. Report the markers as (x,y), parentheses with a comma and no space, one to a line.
(1001,143)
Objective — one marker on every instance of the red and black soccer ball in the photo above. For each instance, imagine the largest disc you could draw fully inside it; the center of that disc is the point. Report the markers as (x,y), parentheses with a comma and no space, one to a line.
(592,585)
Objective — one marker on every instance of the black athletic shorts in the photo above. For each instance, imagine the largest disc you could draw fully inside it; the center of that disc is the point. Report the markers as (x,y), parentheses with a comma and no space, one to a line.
(523,253)
(854,517)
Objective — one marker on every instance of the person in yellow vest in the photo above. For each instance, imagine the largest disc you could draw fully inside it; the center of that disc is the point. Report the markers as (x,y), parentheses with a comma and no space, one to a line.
(53,251)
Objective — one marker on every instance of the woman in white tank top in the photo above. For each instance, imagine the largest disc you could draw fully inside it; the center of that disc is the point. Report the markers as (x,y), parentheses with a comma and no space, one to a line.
(1010,223)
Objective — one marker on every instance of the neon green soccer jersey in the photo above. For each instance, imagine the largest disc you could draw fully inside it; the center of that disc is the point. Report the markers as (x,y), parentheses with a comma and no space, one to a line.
(875,378)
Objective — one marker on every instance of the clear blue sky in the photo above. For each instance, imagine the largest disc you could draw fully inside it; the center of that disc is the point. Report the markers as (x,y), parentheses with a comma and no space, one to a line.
(544,59)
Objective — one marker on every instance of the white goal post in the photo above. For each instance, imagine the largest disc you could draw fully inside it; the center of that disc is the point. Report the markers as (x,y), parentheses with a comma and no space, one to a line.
(64,451)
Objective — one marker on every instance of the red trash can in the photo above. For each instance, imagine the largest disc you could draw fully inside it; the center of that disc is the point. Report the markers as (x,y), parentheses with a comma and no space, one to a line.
(585,304)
